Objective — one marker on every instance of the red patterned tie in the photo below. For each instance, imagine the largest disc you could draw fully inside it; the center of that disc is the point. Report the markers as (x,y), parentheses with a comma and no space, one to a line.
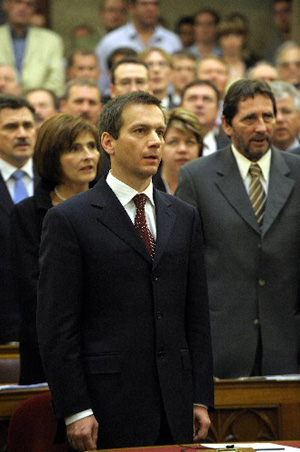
(140,223)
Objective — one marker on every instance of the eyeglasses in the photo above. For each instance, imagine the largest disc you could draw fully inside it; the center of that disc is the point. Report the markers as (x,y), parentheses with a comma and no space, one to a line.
(160,64)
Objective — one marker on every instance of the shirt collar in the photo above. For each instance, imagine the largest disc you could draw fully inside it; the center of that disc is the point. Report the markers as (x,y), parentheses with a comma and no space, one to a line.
(14,36)
(7,169)
(244,164)
(294,145)
(124,193)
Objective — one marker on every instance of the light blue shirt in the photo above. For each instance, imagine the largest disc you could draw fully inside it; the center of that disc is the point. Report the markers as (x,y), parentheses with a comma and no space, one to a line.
(127,36)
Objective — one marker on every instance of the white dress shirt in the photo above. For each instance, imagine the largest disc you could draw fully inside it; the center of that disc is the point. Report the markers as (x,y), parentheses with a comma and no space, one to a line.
(244,164)
(7,171)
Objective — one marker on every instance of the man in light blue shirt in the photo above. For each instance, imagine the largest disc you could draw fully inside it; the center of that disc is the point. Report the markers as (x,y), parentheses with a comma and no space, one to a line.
(143,31)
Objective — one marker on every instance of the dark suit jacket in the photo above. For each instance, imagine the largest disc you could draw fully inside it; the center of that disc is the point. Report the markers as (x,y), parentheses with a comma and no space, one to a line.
(253,276)
(26,228)
(9,312)
(119,333)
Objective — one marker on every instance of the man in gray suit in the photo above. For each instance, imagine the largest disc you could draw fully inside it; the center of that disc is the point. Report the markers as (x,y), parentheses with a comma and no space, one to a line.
(252,245)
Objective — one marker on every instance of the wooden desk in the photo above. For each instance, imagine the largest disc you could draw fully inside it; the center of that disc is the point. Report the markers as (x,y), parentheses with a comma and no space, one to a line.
(255,410)
(249,410)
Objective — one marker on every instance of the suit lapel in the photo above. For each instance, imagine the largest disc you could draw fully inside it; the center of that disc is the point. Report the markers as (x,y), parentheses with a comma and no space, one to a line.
(5,199)
(230,183)
(164,221)
(279,190)
(110,212)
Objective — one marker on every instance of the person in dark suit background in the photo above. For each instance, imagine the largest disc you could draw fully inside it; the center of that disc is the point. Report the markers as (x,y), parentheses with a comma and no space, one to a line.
(124,331)
(252,259)
(66,158)
(17,181)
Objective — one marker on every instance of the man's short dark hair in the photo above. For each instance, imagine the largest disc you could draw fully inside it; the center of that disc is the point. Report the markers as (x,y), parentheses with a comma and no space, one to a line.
(240,91)
(185,20)
(81,52)
(199,82)
(48,91)
(210,11)
(127,61)
(79,81)
(111,120)
(15,103)
(120,51)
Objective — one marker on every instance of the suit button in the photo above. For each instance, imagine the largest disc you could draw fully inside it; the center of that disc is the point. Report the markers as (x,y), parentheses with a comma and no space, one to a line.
(159,314)
(256,322)
(155,277)
(161,354)
(261,282)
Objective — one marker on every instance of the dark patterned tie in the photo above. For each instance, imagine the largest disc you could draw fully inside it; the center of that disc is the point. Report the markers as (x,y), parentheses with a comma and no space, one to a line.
(140,223)
(256,193)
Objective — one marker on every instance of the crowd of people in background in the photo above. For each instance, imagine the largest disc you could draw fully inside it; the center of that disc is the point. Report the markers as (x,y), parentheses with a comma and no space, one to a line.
(43,90)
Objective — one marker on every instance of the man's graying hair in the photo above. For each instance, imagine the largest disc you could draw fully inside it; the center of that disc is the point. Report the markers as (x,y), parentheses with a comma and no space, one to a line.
(242,90)
(283,89)
(111,120)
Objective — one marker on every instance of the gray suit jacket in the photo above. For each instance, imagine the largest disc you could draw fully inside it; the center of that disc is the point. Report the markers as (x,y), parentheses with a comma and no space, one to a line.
(253,276)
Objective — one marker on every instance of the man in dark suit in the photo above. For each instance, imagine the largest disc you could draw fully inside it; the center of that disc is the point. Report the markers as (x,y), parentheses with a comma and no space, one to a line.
(124,332)
(252,251)
(17,139)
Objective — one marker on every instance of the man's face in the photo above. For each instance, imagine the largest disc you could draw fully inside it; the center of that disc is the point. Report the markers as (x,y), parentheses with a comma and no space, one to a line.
(17,135)
(264,72)
(216,72)
(8,81)
(136,153)
(205,28)
(202,100)
(183,72)
(289,65)
(159,70)
(130,77)
(252,127)
(282,16)
(187,34)
(83,101)
(113,14)
(19,12)
(287,124)
(43,104)
(145,12)
(84,66)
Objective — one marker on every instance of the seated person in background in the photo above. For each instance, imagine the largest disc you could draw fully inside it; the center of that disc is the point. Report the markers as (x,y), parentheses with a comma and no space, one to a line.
(183,72)
(83,63)
(288,63)
(45,104)
(159,65)
(263,70)
(128,75)
(66,157)
(183,143)
(36,53)
(202,98)
(9,80)
(82,98)
(287,126)
(184,28)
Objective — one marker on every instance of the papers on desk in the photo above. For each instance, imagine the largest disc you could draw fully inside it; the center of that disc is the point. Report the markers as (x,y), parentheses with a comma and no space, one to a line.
(259,447)
(288,377)
(15,387)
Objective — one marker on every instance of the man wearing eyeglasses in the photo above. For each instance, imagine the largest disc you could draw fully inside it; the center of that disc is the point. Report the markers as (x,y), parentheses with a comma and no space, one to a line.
(36,54)
(143,31)
(129,75)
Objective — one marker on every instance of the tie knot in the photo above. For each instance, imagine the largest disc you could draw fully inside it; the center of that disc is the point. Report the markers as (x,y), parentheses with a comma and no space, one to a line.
(18,174)
(140,200)
(255,170)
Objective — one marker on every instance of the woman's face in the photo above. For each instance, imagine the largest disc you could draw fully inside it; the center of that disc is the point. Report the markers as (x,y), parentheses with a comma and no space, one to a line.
(179,148)
(232,43)
(79,164)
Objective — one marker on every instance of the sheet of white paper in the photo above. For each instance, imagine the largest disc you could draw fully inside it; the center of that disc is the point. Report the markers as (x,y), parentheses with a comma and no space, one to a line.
(260,447)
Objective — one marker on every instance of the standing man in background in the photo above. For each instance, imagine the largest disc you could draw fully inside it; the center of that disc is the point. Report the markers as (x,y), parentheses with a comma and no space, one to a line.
(17,181)
(248,196)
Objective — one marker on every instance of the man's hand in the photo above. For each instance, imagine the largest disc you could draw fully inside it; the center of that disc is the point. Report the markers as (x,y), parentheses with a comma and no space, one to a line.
(83,434)
(201,423)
